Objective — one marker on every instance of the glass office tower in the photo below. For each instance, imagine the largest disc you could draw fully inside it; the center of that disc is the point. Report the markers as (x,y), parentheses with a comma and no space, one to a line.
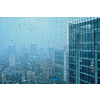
(59,64)
(84,52)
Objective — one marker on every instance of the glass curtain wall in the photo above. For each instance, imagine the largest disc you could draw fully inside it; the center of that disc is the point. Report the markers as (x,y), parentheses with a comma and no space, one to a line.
(84,56)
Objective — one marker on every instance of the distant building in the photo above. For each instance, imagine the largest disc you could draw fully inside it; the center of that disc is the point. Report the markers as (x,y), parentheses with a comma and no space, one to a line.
(26,57)
(1,67)
(30,76)
(36,69)
(11,49)
(41,70)
(49,71)
(60,65)
(11,60)
(40,54)
(23,50)
(33,50)
(51,54)
(47,68)
(23,77)
(4,76)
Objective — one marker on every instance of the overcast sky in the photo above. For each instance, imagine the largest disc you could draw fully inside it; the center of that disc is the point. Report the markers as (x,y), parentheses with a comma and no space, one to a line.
(43,31)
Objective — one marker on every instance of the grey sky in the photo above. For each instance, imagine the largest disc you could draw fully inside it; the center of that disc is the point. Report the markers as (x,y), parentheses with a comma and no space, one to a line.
(43,31)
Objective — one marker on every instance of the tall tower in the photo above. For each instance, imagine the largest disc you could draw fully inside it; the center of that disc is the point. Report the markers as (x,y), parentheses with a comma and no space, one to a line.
(51,54)
(84,52)
(11,60)
(33,50)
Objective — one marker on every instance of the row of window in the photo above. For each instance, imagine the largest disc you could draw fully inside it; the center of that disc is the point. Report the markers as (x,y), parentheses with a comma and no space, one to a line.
(59,70)
(71,73)
(72,80)
(72,59)
(84,54)
(87,46)
(59,62)
(98,73)
(82,82)
(59,53)
(87,70)
(72,53)
(87,62)
(72,66)
(98,81)
(87,78)
(87,54)
(59,57)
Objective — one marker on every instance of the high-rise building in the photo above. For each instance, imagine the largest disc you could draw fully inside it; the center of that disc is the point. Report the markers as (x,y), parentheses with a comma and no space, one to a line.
(26,57)
(40,54)
(11,60)
(11,49)
(4,76)
(60,65)
(49,71)
(33,50)
(47,68)
(84,52)
(36,69)
(30,76)
(51,54)
(23,50)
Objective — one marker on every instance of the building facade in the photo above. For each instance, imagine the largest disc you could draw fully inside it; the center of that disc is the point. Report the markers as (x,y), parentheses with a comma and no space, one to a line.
(61,65)
(48,68)
(84,52)
(33,50)
(11,60)
(51,52)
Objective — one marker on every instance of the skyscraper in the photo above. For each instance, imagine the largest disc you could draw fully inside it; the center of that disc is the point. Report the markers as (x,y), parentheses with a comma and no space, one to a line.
(51,54)
(23,50)
(11,60)
(40,55)
(11,49)
(60,65)
(84,52)
(33,50)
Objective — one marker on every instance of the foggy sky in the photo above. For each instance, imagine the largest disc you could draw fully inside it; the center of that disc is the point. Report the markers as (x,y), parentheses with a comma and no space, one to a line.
(43,31)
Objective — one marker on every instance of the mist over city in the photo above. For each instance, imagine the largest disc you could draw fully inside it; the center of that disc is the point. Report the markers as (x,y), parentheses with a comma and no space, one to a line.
(49,50)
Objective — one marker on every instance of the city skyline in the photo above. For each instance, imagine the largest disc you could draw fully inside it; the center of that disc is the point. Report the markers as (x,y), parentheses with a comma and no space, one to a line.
(49,50)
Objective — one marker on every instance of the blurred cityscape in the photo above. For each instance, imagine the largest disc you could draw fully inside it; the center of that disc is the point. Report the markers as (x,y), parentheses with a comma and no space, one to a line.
(33,67)
(72,55)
